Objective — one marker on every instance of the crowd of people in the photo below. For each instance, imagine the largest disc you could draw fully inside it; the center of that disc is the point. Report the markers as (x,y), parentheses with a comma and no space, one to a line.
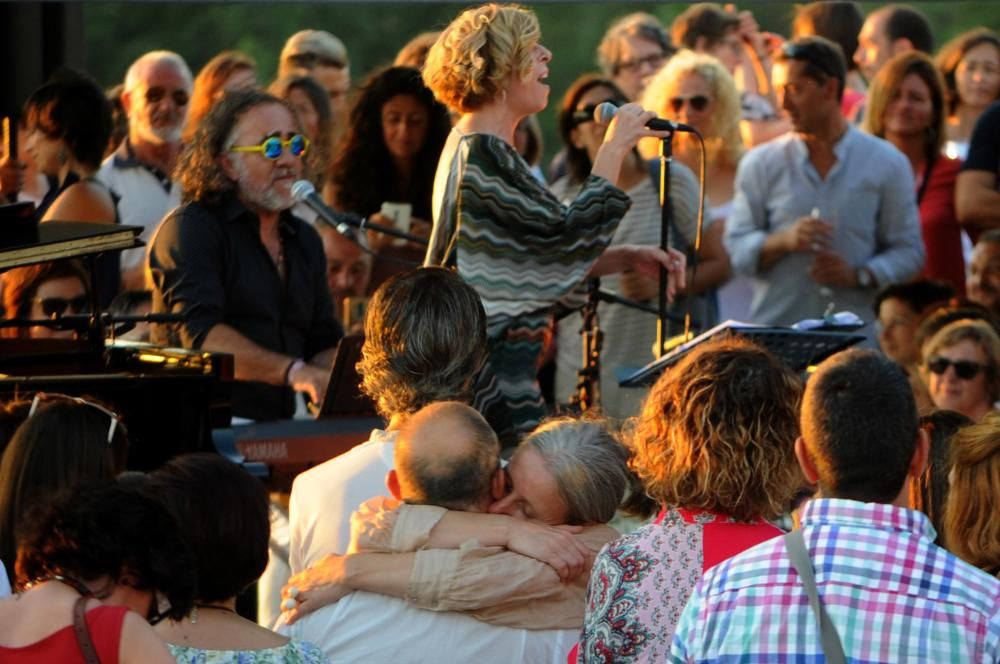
(734,511)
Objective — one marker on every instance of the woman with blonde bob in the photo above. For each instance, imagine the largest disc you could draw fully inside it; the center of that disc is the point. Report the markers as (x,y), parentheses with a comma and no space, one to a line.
(906,106)
(697,89)
(971,529)
(510,238)
(714,446)
(962,368)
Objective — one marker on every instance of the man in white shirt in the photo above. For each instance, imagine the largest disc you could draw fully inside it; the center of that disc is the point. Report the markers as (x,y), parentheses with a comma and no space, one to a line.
(156,98)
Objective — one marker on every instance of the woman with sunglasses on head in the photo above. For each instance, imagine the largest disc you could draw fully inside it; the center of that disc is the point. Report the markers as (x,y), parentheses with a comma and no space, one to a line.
(962,368)
(907,107)
(43,291)
(696,89)
(224,514)
(509,237)
(95,568)
(69,123)
(66,441)
(628,334)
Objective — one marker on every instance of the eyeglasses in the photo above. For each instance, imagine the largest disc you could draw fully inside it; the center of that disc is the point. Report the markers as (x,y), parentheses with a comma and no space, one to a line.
(272,147)
(586,114)
(806,53)
(654,60)
(157,94)
(698,103)
(46,396)
(964,369)
(54,307)
(159,610)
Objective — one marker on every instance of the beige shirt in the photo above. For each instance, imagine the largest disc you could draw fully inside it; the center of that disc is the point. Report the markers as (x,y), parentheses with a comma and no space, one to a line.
(490,583)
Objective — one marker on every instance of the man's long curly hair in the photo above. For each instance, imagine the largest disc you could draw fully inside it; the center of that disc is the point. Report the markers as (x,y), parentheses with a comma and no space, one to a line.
(198,170)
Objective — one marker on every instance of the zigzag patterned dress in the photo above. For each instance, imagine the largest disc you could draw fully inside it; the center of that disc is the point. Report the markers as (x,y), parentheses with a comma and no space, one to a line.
(520,248)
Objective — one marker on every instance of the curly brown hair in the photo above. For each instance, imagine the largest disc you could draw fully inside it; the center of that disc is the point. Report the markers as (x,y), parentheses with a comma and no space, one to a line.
(717,432)
(474,57)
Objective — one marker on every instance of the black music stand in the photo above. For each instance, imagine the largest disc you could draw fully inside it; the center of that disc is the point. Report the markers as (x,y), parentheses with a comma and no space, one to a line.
(799,349)
(343,390)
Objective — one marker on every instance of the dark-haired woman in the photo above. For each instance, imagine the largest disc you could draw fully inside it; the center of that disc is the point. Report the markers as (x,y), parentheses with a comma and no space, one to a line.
(64,442)
(94,566)
(388,154)
(311,105)
(68,121)
(224,512)
(229,70)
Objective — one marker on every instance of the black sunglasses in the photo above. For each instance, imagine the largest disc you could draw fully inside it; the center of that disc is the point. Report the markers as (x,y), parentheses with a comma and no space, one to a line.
(964,369)
(586,114)
(698,103)
(54,307)
(157,94)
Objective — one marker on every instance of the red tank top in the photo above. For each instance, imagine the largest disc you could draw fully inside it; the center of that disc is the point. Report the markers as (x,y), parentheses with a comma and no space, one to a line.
(105,626)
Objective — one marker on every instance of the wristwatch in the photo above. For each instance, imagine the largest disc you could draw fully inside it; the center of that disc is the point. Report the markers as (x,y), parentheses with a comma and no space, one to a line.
(865,278)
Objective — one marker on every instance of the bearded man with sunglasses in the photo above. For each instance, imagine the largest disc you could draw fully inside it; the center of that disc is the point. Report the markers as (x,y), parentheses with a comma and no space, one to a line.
(248,277)
(155,96)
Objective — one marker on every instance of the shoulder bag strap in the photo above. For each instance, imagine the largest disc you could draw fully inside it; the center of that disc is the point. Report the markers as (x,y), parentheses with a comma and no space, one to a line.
(796,546)
(82,633)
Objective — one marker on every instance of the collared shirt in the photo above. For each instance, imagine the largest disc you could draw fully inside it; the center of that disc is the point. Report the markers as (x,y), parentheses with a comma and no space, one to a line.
(890,592)
(868,199)
(324,497)
(145,195)
(209,264)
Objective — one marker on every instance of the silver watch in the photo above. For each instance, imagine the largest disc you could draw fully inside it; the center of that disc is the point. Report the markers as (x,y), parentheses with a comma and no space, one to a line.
(865,278)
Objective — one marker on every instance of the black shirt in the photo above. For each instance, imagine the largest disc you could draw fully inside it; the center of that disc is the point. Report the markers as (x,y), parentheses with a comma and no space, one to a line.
(984,144)
(209,264)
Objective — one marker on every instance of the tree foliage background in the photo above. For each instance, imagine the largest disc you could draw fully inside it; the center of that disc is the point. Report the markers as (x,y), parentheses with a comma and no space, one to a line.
(118,32)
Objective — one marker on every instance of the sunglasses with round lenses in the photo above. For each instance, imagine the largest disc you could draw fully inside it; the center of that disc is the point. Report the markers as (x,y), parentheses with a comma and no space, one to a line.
(54,307)
(272,147)
(157,94)
(964,369)
(698,103)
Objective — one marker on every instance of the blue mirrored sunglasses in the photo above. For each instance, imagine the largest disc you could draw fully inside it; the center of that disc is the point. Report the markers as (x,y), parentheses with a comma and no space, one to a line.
(273,146)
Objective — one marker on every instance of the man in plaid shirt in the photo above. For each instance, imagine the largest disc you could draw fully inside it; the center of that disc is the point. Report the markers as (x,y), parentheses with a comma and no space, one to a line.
(891,594)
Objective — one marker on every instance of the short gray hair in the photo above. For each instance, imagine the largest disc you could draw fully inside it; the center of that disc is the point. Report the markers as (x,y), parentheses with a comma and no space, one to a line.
(589,465)
(146,61)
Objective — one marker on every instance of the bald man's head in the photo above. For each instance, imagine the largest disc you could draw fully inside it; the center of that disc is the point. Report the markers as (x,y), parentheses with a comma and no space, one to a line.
(446,455)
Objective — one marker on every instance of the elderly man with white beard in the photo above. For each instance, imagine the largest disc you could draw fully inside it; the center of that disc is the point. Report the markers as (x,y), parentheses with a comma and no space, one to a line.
(155,96)
(247,276)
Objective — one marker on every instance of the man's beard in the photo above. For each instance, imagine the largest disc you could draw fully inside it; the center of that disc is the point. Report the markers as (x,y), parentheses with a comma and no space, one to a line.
(165,133)
(268,198)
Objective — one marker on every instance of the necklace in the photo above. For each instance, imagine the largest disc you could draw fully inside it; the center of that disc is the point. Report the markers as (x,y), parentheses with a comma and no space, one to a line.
(76,585)
(194,611)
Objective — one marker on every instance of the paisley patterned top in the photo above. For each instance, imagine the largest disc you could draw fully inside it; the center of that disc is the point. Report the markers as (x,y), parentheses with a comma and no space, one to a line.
(640,582)
(293,652)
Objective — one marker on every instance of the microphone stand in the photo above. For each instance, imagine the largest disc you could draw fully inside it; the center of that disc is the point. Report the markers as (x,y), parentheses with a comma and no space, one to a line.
(362,224)
(588,382)
(663,328)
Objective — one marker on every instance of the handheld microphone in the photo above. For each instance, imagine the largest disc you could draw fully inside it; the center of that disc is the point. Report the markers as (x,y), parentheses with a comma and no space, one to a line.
(606,111)
(304,192)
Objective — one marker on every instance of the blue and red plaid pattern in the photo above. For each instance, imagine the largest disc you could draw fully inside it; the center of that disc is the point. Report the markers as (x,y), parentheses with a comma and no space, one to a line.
(893,595)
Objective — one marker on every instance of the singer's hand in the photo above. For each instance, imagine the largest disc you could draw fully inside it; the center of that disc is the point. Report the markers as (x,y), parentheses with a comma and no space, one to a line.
(645,260)
(628,126)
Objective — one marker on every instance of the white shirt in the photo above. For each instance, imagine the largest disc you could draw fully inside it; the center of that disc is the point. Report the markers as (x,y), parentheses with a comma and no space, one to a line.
(324,497)
(143,198)
(365,627)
